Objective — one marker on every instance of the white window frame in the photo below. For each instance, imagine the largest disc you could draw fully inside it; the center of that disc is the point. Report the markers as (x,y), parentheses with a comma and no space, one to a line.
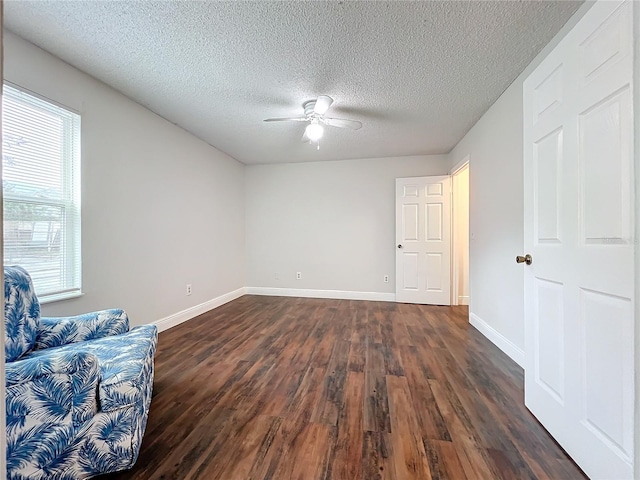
(71,198)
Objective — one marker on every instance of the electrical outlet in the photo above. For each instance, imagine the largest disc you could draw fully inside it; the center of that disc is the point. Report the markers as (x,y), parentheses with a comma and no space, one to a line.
(386,279)
(298,275)
(188,289)
(276,276)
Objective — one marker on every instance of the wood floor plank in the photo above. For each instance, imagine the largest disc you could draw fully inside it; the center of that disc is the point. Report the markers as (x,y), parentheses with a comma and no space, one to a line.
(347,458)
(290,388)
(376,453)
(330,402)
(310,458)
(188,455)
(248,443)
(473,458)
(443,460)
(409,459)
(376,404)
(449,465)
(357,356)
(359,325)
(430,420)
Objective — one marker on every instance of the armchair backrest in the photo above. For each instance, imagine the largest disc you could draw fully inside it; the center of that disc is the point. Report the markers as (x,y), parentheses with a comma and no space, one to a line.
(21,313)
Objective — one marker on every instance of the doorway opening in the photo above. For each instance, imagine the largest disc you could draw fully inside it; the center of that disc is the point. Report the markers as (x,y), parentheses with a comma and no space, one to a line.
(460,237)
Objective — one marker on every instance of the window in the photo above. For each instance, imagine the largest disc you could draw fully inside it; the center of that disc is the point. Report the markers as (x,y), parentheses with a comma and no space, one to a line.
(41,186)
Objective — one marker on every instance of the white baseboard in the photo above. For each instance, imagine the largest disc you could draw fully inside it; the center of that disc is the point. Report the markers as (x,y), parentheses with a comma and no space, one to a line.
(499,340)
(308,293)
(180,317)
(463,300)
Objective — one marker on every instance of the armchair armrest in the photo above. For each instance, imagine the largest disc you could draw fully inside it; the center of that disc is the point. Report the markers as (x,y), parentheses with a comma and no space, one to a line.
(30,369)
(48,398)
(58,331)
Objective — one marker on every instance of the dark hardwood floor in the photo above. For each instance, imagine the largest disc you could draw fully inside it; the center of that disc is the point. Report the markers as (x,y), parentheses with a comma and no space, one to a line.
(288,388)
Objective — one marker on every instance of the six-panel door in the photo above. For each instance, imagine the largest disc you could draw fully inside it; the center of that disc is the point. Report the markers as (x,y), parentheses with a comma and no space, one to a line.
(579,194)
(423,240)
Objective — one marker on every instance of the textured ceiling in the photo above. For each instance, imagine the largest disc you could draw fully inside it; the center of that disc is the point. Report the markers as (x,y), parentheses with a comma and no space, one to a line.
(418,75)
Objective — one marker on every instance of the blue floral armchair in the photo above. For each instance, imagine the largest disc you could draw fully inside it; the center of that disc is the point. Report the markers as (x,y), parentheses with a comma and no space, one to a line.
(78,389)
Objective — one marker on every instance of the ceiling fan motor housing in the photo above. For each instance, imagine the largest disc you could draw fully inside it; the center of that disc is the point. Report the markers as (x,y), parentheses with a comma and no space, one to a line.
(308,108)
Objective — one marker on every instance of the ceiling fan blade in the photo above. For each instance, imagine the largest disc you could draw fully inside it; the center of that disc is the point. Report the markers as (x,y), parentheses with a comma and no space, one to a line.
(322,104)
(342,123)
(290,119)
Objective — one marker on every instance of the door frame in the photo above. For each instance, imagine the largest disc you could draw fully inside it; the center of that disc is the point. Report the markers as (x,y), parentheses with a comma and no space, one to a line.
(636,166)
(3,439)
(455,297)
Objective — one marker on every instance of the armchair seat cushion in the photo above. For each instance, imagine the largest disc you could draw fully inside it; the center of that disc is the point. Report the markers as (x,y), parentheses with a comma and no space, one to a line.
(123,360)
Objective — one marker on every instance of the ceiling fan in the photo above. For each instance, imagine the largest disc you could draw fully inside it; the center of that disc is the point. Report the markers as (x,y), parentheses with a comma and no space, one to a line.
(314,111)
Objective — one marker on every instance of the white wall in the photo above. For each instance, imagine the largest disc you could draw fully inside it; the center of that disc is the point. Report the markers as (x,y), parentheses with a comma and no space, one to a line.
(332,221)
(495,148)
(160,208)
(495,215)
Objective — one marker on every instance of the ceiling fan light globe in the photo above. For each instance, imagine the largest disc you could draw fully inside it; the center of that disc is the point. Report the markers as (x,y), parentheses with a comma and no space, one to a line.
(314,131)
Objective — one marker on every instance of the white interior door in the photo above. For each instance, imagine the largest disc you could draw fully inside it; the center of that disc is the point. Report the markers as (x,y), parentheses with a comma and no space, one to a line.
(579,196)
(423,240)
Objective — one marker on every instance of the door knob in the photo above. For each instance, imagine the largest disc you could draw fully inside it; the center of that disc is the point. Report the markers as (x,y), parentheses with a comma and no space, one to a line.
(528,259)
(399,246)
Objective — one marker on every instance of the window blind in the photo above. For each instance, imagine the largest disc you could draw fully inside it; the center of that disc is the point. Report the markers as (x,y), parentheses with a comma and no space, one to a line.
(41,188)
